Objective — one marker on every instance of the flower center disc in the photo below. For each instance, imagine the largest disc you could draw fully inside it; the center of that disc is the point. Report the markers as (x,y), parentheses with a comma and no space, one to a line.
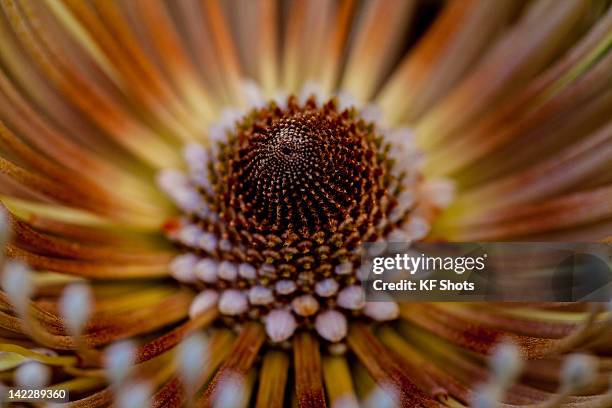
(302,171)
(276,211)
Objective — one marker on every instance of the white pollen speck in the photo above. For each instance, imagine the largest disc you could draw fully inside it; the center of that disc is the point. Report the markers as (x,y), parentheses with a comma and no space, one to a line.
(305,305)
(247,271)
(182,268)
(206,270)
(579,371)
(233,302)
(75,306)
(486,396)
(381,311)
(202,302)
(119,361)
(260,295)
(208,242)
(191,358)
(134,395)
(280,325)
(506,363)
(228,271)
(285,286)
(230,393)
(385,395)
(32,374)
(351,297)
(331,325)
(417,227)
(18,285)
(344,268)
(326,287)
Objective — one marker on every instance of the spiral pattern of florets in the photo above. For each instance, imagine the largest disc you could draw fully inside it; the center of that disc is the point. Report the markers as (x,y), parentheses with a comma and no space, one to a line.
(276,211)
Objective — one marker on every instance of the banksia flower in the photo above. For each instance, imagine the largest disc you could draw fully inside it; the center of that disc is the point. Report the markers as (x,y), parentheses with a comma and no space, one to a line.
(186,187)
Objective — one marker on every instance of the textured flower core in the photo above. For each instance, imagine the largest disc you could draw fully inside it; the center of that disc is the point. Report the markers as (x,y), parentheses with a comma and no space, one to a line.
(277,209)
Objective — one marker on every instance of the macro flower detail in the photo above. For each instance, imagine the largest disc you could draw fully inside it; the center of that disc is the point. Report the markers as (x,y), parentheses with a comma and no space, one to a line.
(186,186)
(277,207)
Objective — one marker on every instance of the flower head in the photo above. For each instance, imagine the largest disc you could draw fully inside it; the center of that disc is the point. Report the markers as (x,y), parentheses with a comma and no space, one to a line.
(185,188)
(276,210)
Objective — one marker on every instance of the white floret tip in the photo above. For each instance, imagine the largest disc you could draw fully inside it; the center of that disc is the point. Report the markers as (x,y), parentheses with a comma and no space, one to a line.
(280,325)
(331,325)
(190,235)
(206,270)
(208,242)
(233,302)
(253,95)
(247,271)
(417,227)
(285,287)
(260,295)
(311,89)
(205,300)
(351,297)
(345,268)
(305,305)
(327,287)
(381,311)
(228,271)
(196,156)
(182,268)
(346,100)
